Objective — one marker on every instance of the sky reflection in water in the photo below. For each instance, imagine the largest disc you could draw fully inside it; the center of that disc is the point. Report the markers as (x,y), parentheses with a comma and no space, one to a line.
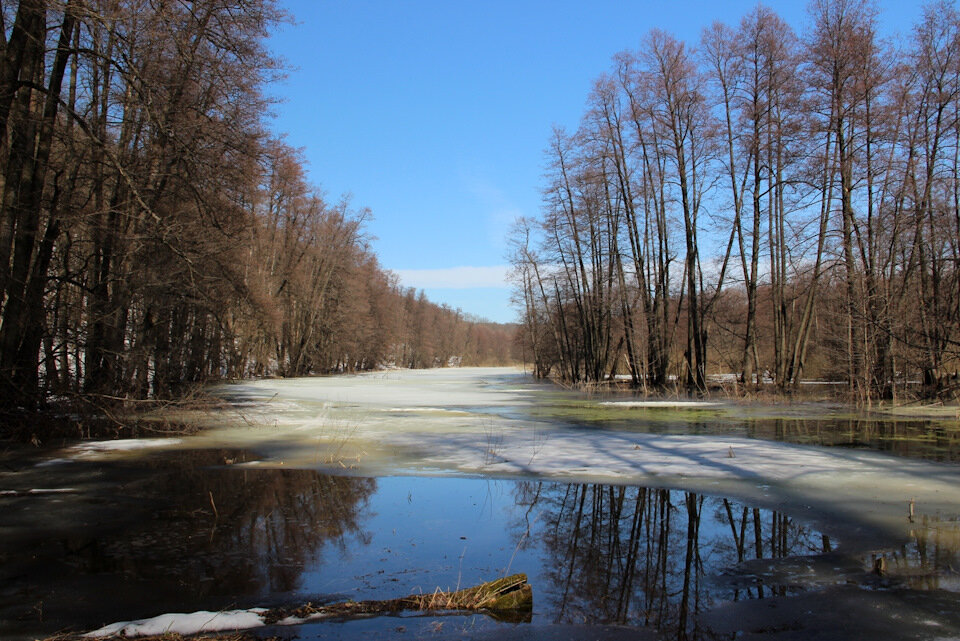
(220,521)
(189,536)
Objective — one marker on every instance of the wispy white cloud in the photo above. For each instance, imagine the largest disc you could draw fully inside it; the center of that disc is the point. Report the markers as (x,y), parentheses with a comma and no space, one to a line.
(500,208)
(454,277)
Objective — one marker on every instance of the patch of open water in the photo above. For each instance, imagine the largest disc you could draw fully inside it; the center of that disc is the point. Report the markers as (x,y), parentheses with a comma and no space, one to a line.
(186,531)
(694,521)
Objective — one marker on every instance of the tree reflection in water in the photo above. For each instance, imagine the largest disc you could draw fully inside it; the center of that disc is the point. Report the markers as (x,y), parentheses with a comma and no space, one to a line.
(910,438)
(172,534)
(183,532)
(642,556)
(930,560)
(262,527)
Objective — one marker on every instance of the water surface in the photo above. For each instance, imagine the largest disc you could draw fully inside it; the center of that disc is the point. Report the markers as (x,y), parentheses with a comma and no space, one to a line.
(689,520)
(187,532)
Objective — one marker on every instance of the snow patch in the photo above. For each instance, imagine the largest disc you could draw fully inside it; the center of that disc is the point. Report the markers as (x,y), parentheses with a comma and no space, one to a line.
(53,461)
(38,491)
(670,404)
(92,448)
(189,623)
(293,620)
(426,410)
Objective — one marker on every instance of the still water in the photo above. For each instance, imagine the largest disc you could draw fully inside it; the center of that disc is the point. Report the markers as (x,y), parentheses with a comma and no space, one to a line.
(683,522)
(188,532)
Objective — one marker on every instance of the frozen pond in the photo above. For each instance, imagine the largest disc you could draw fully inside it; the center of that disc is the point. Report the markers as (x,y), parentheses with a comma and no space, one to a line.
(497,423)
(677,519)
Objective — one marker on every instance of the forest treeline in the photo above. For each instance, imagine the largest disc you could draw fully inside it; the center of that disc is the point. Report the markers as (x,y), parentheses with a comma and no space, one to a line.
(152,233)
(763,203)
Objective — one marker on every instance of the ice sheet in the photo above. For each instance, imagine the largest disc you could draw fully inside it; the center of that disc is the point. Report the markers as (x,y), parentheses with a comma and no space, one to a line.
(483,421)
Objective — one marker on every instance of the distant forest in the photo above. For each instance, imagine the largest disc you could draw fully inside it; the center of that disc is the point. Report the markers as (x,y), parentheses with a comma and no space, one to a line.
(152,234)
(773,205)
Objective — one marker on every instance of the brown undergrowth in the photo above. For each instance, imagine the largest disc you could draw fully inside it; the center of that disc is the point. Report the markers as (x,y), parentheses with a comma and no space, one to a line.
(89,416)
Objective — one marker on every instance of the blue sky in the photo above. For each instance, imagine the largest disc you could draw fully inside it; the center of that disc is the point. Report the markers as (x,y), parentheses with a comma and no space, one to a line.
(434,114)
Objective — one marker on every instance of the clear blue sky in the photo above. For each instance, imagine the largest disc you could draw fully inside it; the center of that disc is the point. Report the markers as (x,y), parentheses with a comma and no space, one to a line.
(434,114)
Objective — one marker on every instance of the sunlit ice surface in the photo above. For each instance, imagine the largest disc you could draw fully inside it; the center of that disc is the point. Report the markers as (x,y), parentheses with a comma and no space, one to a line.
(500,423)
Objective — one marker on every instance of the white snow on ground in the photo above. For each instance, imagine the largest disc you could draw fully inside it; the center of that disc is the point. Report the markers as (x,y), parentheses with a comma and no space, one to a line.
(435,410)
(413,389)
(39,491)
(196,623)
(54,461)
(190,623)
(667,404)
(81,450)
